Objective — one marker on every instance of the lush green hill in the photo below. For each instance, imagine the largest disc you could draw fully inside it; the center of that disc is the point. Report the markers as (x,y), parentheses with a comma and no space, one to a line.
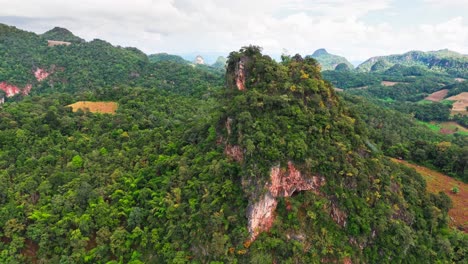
(273,167)
(220,63)
(167,57)
(61,34)
(445,61)
(27,61)
(329,61)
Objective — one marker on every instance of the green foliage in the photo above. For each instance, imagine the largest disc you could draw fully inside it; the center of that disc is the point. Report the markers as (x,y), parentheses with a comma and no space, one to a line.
(167,57)
(61,34)
(152,184)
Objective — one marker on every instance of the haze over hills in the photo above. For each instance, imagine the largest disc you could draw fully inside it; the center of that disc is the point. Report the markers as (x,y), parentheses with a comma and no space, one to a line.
(260,163)
(330,61)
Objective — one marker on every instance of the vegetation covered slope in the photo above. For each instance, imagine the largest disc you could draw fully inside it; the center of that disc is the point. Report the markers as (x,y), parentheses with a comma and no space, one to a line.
(445,61)
(167,57)
(172,176)
(89,65)
(330,61)
(61,34)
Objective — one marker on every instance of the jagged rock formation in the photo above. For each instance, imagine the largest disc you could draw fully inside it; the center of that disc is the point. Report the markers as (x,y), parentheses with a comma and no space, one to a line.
(199,60)
(282,182)
(240,74)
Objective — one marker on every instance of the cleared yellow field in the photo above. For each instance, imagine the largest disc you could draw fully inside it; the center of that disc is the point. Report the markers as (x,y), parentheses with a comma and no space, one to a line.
(438,182)
(95,107)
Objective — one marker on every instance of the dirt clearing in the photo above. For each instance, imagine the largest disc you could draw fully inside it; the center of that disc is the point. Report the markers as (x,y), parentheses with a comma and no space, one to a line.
(95,107)
(438,182)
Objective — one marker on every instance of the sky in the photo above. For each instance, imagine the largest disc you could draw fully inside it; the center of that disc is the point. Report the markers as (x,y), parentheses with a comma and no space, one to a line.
(356,29)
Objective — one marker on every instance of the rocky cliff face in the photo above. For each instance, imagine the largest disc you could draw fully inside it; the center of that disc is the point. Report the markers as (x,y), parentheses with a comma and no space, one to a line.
(240,74)
(41,74)
(12,90)
(283,183)
(199,60)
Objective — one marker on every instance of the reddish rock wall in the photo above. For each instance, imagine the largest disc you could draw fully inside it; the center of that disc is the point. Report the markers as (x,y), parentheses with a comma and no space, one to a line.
(12,90)
(240,74)
(41,74)
(9,89)
(261,215)
(284,183)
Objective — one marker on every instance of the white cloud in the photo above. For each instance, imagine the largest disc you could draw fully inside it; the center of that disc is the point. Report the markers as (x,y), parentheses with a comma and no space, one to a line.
(179,26)
(448,3)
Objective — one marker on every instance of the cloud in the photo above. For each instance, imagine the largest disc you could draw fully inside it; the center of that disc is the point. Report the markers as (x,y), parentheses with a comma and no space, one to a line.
(448,3)
(181,26)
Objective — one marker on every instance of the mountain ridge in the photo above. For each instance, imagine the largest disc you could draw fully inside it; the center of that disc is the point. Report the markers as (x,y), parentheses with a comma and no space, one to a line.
(441,60)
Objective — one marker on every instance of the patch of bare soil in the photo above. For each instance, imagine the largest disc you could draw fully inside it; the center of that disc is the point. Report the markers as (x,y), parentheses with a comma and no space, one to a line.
(437,96)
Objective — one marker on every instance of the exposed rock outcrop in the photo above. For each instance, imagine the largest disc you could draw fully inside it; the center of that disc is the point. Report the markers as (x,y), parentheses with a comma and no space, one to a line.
(41,74)
(284,183)
(9,89)
(199,60)
(261,215)
(234,152)
(240,74)
(12,90)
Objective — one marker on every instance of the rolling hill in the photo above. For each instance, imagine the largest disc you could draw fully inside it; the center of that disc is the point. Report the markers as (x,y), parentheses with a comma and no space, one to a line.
(330,61)
(445,61)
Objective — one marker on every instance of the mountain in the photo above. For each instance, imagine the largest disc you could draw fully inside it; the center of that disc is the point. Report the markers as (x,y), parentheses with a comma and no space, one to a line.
(263,164)
(329,61)
(445,61)
(32,66)
(61,34)
(220,63)
(166,57)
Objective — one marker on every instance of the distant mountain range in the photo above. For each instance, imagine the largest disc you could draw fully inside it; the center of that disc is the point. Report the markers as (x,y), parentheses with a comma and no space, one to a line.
(330,61)
(447,61)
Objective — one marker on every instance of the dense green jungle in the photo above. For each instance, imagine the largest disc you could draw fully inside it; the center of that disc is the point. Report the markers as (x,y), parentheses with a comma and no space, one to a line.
(260,162)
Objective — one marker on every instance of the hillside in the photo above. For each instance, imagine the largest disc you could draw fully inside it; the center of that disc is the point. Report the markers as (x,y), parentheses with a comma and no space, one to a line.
(220,63)
(445,61)
(330,61)
(61,34)
(31,66)
(167,57)
(265,163)
(438,182)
